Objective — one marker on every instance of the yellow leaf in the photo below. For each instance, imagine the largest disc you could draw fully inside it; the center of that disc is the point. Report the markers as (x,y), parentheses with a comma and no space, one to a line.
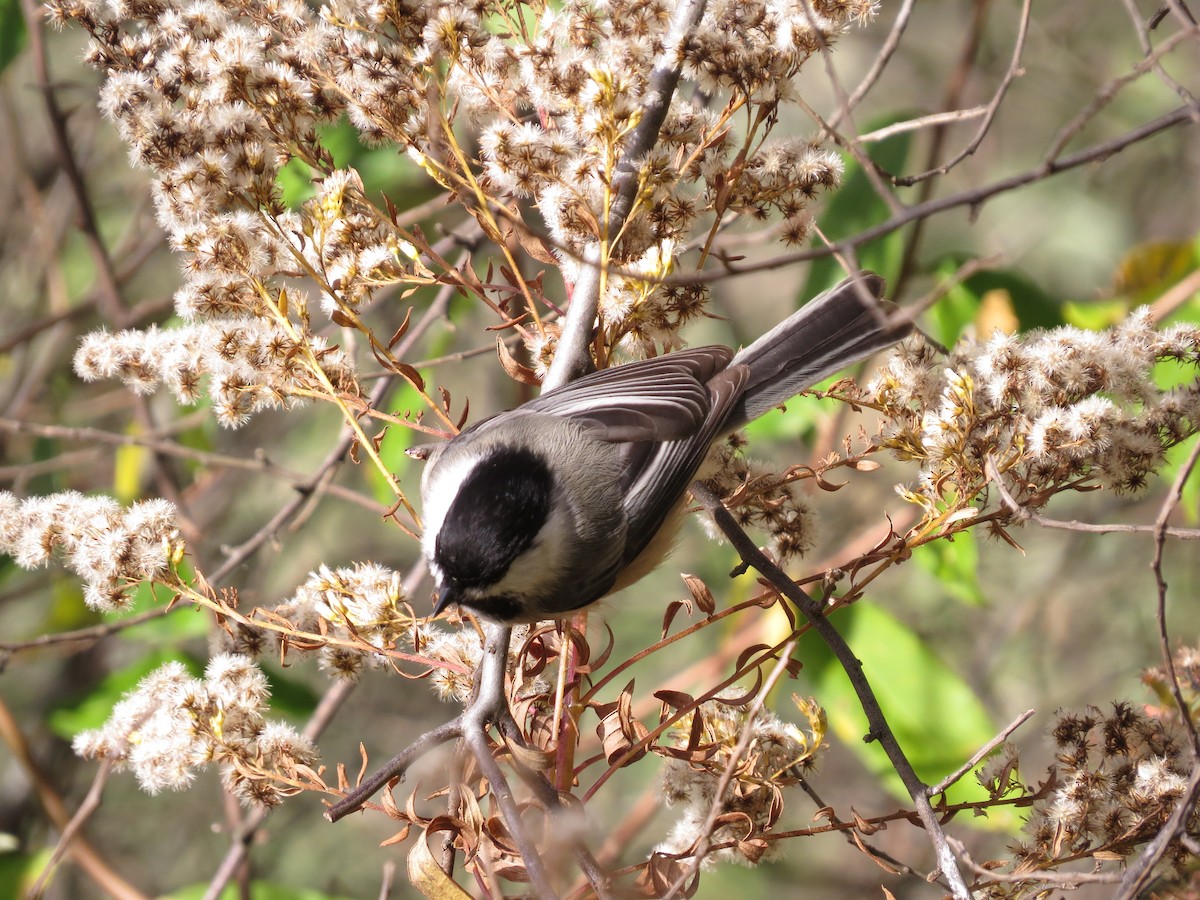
(428,878)
(129,462)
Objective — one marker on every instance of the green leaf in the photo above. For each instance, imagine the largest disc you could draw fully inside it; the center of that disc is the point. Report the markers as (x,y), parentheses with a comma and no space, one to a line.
(856,206)
(953,562)
(966,303)
(182,623)
(289,696)
(1095,315)
(12,32)
(19,871)
(797,421)
(934,714)
(93,710)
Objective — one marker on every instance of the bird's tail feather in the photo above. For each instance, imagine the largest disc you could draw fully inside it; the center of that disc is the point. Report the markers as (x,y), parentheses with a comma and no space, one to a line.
(828,333)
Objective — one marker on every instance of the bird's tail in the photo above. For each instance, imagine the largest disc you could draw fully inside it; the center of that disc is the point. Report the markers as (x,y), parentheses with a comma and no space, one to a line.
(843,325)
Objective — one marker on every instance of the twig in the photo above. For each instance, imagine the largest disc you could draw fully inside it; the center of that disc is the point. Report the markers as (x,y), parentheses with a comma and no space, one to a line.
(929,121)
(80,850)
(1011,74)
(1140,872)
(261,463)
(1025,514)
(981,753)
(1061,879)
(573,357)
(109,296)
(878,64)
(239,848)
(389,875)
(880,730)
(971,197)
(1143,33)
(89,805)
(1109,91)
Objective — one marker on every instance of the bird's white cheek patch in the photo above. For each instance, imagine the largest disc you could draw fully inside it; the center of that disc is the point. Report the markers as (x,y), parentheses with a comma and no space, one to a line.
(436,497)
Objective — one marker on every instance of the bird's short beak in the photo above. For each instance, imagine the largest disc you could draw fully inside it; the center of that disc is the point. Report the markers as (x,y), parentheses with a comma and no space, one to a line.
(446,596)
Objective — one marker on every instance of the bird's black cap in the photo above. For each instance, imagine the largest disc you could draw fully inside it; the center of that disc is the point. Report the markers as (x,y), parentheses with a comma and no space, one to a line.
(495,517)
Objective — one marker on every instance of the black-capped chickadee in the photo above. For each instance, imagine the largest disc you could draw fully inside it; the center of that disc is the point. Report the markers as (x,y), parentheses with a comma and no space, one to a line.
(537,512)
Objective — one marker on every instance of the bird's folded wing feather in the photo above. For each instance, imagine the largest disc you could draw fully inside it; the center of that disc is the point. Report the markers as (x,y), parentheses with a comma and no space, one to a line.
(658,475)
(659,399)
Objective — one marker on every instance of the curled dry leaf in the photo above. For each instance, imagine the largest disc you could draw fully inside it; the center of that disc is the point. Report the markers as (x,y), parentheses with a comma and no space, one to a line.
(618,730)
(661,872)
(702,596)
(516,371)
(530,757)
(427,876)
(873,856)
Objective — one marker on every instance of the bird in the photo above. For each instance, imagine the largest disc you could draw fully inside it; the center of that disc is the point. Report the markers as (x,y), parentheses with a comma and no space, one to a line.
(536,513)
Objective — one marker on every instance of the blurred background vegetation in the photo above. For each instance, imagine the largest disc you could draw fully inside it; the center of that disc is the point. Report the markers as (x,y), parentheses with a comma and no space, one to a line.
(959,641)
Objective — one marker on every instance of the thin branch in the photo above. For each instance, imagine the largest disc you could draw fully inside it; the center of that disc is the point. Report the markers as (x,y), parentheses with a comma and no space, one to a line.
(1109,91)
(82,853)
(1141,870)
(89,805)
(1011,74)
(1060,879)
(239,848)
(880,730)
(983,751)
(260,463)
(1143,33)
(573,357)
(1025,514)
(930,121)
(882,58)
(970,197)
(109,295)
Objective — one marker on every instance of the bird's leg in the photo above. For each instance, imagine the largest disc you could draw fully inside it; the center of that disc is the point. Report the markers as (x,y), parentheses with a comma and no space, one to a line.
(483,708)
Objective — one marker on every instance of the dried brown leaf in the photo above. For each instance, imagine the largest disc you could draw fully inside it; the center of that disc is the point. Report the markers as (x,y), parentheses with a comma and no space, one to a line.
(515,370)
(700,594)
(427,876)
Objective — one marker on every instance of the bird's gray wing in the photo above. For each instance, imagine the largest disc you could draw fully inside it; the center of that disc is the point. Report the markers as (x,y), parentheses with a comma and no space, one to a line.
(661,399)
(666,411)
(659,473)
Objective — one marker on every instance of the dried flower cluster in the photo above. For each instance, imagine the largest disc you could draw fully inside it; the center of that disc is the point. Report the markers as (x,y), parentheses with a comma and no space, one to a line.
(112,549)
(759,498)
(587,73)
(753,801)
(1117,780)
(172,724)
(462,649)
(1117,777)
(250,364)
(364,604)
(215,98)
(1051,409)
